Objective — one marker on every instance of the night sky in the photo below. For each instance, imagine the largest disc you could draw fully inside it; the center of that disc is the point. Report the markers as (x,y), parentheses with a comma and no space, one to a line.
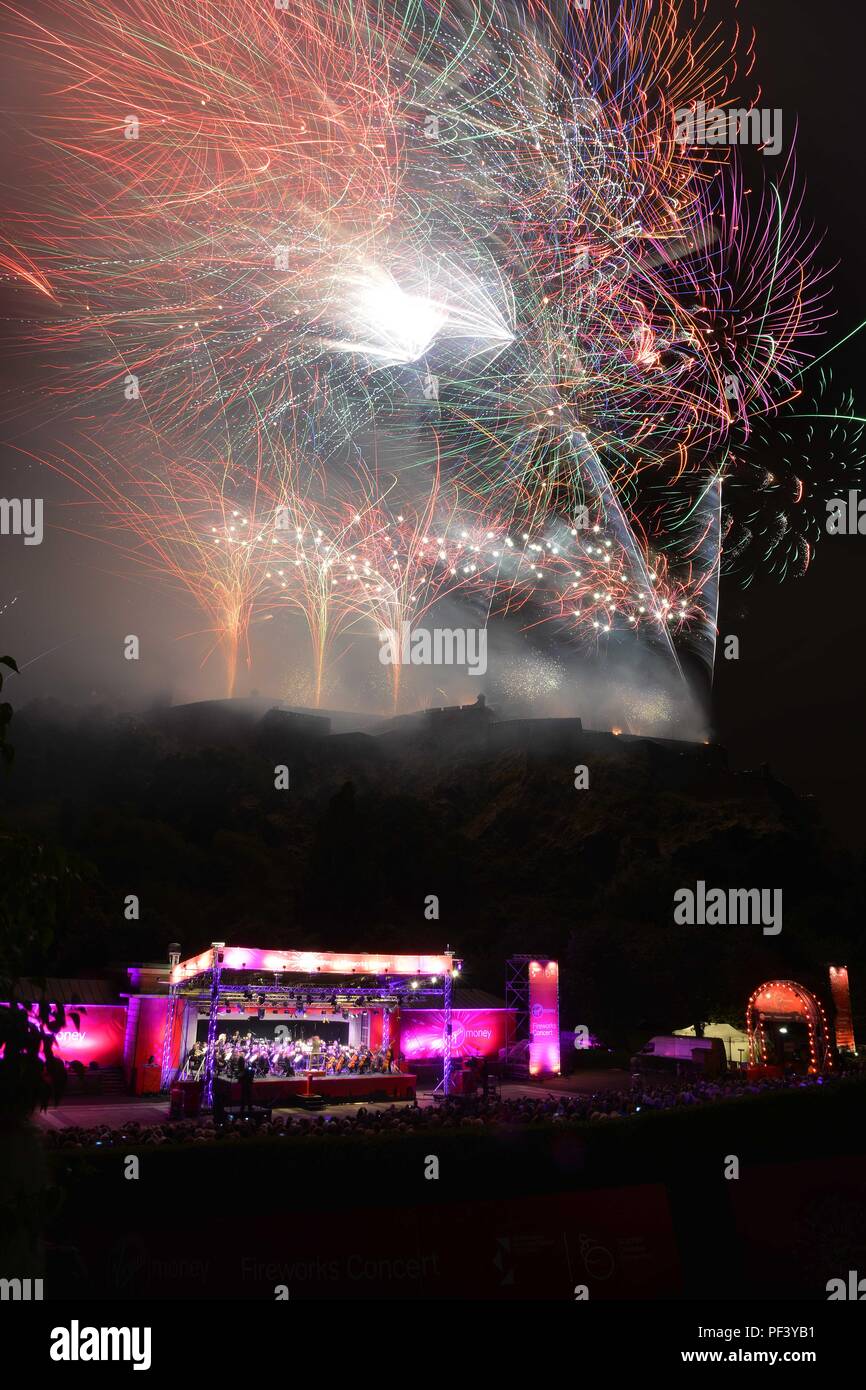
(796,697)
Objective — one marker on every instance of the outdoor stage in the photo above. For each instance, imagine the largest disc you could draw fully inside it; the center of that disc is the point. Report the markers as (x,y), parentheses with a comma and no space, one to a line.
(355,999)
(274,1012)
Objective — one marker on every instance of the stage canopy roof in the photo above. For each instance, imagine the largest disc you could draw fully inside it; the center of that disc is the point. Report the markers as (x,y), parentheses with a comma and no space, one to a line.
(311,963)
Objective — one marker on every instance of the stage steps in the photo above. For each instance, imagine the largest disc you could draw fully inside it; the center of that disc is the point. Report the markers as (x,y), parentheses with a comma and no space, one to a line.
(106,1081)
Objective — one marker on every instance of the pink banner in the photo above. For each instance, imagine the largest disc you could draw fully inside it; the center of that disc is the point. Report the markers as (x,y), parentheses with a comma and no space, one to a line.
(475,1033)
(98,1037)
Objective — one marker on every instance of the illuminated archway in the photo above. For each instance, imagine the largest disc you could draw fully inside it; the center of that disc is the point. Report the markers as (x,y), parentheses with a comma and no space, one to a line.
(771,1008)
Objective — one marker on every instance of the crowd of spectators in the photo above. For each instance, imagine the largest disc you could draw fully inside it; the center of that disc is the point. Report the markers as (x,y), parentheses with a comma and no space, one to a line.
(510,1111)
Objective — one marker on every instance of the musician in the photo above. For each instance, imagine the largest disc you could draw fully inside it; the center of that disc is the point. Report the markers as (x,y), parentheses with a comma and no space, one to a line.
(389,1057)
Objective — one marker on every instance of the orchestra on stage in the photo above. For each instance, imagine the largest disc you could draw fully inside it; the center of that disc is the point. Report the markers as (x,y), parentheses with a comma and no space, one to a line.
(293,1057)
